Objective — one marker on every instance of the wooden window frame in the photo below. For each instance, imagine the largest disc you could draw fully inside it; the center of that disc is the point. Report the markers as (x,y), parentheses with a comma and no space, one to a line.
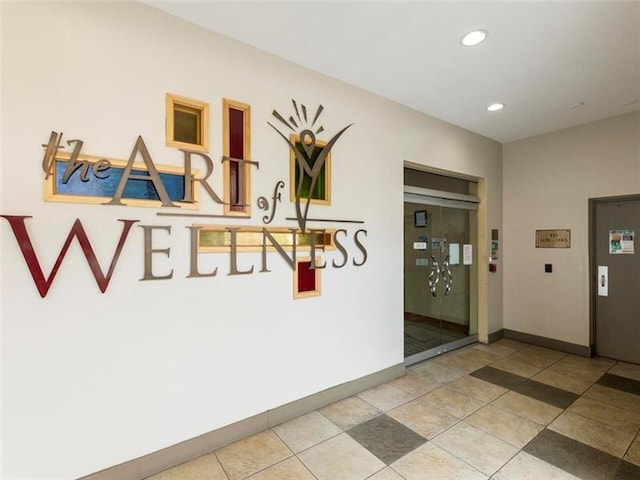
(173,101)
(245,210)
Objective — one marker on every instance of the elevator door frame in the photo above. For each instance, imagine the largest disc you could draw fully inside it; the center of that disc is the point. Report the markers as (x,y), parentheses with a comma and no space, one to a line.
(451,200)
(593,266)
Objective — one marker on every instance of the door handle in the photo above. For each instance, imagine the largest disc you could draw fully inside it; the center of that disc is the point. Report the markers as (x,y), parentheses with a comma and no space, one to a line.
(603,281)
(448,277)
(434,276)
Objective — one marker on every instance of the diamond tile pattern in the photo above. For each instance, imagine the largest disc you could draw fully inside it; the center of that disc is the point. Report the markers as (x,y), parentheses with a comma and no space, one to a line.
(386,438)
(502,411)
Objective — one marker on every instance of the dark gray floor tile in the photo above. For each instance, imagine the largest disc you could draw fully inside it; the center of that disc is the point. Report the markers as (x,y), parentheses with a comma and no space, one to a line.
(578,459)
(386,438)
(627,471)
(620,383)
(498,377)
(546,393)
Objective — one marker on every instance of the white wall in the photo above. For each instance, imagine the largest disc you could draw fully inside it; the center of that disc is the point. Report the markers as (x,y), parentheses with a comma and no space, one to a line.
(547,183)
(91,380)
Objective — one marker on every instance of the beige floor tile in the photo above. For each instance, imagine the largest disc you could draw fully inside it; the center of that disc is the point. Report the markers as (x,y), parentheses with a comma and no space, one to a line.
(596,434)
(386,474)
(626,370)
(436,373)
(306,431)
(589,362)
(385,397)
(586,369)
(453,401)
(585,374)
(349,412)
(565,382)
(430,462)
(255,453)
(481,356)
(617,398)
(602,412)
(290,469)
(206,467)
(537,356)
(633,454)
(484,391)
(341,458)
(527,467)
(526,407)
(476,447)
(506,426)
(457,362)
(422,417)
(543,352)
(507,342)
(414,384)
(495,349)
(516,367)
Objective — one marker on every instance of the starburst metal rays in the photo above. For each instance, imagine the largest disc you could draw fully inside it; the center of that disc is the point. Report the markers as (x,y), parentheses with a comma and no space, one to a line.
(282,119)
(293,125)
(315,119)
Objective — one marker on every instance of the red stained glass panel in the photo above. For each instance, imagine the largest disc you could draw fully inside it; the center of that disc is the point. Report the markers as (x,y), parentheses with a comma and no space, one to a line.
(306,277)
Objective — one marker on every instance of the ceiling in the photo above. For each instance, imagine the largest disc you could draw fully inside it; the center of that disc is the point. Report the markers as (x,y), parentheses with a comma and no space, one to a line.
(539,57)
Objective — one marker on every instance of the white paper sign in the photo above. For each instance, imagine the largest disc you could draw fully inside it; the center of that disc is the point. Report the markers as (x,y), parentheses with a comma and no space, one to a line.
(467,254)
(454,254)
(621,241)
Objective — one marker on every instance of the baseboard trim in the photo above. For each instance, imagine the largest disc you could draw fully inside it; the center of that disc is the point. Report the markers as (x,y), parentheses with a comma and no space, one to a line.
(497,335)
(152,463)
(581,350)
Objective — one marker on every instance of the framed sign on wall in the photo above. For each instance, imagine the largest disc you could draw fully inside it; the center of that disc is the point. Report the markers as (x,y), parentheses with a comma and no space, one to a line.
(553,238)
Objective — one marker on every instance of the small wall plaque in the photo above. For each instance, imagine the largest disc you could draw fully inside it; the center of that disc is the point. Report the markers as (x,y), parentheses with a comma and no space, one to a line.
(553,238)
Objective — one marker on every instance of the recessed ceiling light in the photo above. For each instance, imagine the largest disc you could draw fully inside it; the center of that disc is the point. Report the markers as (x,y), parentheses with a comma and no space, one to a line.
(474,38)
(494,107)
(576,105)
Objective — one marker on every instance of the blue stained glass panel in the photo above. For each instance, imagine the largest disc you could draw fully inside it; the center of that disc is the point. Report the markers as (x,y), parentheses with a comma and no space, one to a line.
(106,187)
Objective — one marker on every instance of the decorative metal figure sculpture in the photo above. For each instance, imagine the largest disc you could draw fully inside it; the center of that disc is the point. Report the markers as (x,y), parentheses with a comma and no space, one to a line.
(303,158)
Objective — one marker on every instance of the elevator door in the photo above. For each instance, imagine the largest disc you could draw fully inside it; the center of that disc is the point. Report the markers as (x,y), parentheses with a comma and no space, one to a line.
(439,279)
(617,279)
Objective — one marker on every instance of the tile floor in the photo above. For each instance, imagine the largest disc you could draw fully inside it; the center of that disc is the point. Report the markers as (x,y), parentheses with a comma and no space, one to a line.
(419,336)
(505,411)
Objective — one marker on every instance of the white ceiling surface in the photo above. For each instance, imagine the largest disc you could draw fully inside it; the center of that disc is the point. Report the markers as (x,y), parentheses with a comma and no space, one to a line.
(539,57)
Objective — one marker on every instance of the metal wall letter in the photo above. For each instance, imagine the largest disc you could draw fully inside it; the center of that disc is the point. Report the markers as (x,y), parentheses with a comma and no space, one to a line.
(149,251)
(233,269)
(193,270)
(153,176)
(189,178)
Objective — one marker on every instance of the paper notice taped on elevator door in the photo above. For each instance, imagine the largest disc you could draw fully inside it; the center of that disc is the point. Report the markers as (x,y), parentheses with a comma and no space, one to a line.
(467,254)
(621,241)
